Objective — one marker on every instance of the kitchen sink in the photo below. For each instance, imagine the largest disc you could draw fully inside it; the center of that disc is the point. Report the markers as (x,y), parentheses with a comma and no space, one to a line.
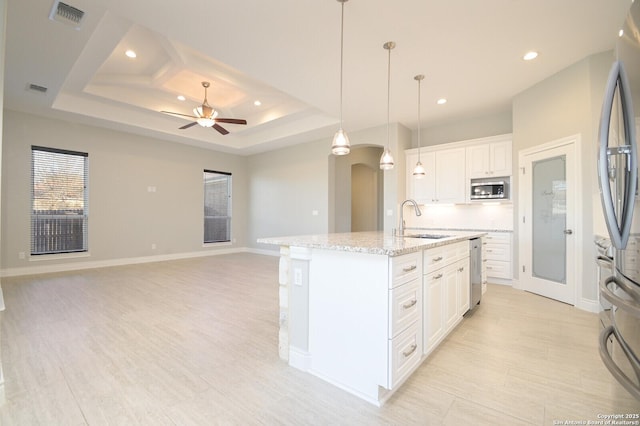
(426,236)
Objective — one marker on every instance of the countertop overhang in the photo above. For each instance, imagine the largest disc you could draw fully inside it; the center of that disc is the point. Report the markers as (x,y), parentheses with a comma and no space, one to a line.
(371,242)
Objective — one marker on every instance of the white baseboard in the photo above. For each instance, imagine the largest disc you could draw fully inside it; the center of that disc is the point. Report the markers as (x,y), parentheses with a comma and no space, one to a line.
(275,253)
(299,359)
(76,266)
(589,305)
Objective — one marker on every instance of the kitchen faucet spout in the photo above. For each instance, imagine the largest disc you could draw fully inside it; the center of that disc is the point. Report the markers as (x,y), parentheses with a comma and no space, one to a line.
(416,208)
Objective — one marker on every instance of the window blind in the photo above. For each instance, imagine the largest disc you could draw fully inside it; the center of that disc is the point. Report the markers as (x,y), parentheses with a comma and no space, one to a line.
(217,206)
(59,214)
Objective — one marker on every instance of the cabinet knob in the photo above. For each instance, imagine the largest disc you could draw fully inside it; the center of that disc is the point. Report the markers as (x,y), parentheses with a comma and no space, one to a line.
(409,268)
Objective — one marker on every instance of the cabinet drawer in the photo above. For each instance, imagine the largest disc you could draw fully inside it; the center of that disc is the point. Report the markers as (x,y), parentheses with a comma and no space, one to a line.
(437,257)
(500,238)
(498,269)
(405,352)
(433,259)
(498,252)
(456,251)
(404,268)
(406,306)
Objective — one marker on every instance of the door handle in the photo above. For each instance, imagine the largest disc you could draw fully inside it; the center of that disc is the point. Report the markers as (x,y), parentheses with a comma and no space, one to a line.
(568,231)
(619,230)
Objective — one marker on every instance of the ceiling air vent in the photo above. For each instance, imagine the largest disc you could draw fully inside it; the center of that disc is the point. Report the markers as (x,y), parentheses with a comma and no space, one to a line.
(37,88)
(62,12)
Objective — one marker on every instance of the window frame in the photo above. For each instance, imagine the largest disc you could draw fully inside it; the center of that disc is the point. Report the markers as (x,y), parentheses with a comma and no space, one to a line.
(228,217)
(39,220)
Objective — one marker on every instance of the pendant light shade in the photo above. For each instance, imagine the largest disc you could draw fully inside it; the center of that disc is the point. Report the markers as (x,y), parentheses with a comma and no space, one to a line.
(418,171)
(386,160)
(341,145)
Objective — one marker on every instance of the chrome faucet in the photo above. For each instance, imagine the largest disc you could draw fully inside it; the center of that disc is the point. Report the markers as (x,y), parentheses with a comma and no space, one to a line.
(418,213)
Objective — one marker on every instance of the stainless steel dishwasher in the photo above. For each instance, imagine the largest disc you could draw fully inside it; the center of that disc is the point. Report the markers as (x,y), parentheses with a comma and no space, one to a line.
(475,257)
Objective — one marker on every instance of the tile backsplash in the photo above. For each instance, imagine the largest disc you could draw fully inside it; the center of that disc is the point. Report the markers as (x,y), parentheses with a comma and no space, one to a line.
(464,216)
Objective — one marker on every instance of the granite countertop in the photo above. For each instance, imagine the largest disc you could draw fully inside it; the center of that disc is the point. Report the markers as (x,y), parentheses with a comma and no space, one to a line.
(371,242)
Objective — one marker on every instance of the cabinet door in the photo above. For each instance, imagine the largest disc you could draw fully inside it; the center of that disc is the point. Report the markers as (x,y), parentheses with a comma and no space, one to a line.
(433,309)
(421,189)
(478,161)
(464,282)
(450,176)
(450,283)
(501,158)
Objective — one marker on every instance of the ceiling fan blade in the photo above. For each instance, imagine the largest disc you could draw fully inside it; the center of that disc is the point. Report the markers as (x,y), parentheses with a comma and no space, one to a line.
(186,126)
(220,129)
(177,113)
(231,120)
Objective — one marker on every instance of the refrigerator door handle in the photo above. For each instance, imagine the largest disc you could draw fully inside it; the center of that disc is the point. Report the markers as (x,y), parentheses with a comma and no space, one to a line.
(619,232)
(628,305)
(608,361)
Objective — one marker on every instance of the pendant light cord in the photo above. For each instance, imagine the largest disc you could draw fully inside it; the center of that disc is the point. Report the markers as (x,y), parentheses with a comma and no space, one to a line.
(388,94)
(341,58)
(419,84)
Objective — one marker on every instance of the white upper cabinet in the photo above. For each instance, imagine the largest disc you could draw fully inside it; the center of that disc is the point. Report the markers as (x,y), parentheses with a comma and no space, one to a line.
(445,177)
(450,167)
(489,160)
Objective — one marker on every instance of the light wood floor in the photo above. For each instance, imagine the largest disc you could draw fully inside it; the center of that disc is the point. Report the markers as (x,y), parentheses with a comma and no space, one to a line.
(194,342)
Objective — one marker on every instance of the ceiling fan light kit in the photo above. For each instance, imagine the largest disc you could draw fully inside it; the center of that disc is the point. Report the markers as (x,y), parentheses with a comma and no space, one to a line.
(206,116)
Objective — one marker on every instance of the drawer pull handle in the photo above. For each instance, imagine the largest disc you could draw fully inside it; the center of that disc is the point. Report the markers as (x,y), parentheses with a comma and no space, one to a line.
(437,277)
(410,268)
(489,267)
(489,251)
(460,269)
(437,259)
(410,351)
(410,304)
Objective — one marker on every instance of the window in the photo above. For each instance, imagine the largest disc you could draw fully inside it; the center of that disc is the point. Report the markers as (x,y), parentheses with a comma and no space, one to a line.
(59,212)
(217,207)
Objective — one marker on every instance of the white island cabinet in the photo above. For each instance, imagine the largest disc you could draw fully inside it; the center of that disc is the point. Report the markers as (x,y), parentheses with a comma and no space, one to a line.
(351,305)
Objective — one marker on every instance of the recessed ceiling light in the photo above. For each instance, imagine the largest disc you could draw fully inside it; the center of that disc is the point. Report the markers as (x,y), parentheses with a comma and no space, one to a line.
(181,98)
(530,55)
(620,33)
(130,53)
(257,103)
(441,101)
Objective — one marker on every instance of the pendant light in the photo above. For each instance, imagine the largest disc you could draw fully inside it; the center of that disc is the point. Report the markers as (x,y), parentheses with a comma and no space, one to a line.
(341,145)
(386,160)
(418,171)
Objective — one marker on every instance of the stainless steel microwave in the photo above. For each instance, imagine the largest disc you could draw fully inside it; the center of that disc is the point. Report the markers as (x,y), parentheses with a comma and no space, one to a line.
(496,190)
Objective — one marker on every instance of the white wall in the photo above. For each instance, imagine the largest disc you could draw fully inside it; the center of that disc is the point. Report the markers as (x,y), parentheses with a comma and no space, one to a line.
(484,125)
(124,218)
(289,184)
(288,192)
(566,104)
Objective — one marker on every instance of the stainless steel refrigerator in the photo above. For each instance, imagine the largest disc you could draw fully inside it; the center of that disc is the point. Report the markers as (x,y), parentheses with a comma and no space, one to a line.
(618,179)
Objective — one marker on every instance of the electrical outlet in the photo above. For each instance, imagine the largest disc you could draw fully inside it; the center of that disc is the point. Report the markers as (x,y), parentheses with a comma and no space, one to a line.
(297,276)
(153,246)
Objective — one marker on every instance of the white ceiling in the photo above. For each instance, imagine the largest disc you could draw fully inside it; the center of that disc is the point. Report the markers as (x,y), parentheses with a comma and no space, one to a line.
(286,53)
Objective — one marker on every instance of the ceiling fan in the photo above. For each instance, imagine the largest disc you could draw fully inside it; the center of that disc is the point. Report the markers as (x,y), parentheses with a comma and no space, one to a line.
(206,116)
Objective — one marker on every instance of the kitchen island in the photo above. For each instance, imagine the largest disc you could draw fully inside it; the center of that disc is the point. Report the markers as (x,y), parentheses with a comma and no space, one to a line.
(363,310)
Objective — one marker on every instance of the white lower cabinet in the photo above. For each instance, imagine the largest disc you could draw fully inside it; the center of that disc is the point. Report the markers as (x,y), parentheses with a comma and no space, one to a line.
(446,289)
(497,252)
(368,324)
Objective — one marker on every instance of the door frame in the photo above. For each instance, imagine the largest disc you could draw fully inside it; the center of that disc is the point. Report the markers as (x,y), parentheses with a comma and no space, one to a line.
(573,143)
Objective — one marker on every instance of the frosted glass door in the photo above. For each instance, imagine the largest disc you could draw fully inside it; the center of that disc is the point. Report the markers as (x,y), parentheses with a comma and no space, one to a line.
(549,214)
